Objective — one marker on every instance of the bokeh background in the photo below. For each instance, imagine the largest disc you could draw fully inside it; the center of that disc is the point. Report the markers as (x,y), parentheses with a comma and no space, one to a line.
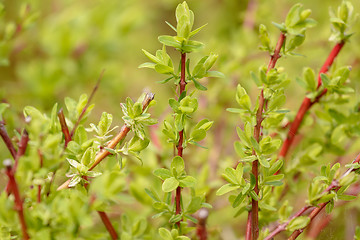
(57,48)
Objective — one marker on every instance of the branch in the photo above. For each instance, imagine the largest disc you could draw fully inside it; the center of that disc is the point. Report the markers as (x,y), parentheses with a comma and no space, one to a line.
(41,158)
(21,151)
(7,140)
(112,144)
(18,201)
(181,135)
(201,225)
(282,227)
(257,129)
(333,186)
(88,103)
(105,219)
(64,127)
(22,148)
(307,103)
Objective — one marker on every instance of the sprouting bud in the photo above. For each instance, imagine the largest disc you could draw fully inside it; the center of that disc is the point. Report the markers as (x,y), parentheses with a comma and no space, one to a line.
(305,14)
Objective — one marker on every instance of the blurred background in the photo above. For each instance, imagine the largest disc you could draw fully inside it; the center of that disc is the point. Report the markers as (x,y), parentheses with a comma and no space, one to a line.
(57,48)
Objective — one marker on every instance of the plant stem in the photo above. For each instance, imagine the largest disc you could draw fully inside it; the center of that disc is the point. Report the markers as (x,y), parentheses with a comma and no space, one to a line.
(21,151)
(312,215)
(88,103)
(105,219)
(307,103)
(112,144)
(201,225)
(282,227)
(64,127)
(257,131)
(179,146)
(6,139)
(22,148)
(334,186)
(41,165)
(18,201)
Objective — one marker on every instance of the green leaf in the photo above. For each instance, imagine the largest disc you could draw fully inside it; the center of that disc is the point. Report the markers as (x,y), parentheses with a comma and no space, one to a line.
(346,197)
(163,69)
(147,65)
(275,167)
(281,27)
(3,107)
(165,80)
(170,25)
(236,110)
(253,195)
(165,234)
(214,74)
(152,195)
(187,181)
(151,57)
(230,176)
(197,30)
(192,46)
(309,77)
(198,135)
(238,200)
(226,188)
(298,223)
(293,17)
(263,161)
(198,85)
(169,41)
(170,184)
(162,173)
(178,164)
(194,205)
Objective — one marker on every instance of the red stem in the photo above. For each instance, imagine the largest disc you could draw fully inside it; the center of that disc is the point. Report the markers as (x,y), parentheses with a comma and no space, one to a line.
(41,165)
(257,129)
(248,227)
(105,219)
(282,227)
(312,215)
(7,140)
(179,146)
(88,103)
(307,103)
(18,201)
(22,148)
(112,144)
(333,186)
(21,151)
(64,127)
(201,225)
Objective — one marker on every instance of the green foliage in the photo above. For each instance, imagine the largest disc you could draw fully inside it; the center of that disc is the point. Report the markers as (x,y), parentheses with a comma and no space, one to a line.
(49,51)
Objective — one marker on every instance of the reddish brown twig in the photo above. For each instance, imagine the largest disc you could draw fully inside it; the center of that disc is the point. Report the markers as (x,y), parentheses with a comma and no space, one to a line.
(334,186)
(18,201)
(181,135)
(64,127)
(317,227)
(282,227)
(307,103)
(21,151)
(22,148)
(105,219)
(112,144)
(202,216)
(88,103)
(249,19)
(257,129)
(7,140)
(41,159)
